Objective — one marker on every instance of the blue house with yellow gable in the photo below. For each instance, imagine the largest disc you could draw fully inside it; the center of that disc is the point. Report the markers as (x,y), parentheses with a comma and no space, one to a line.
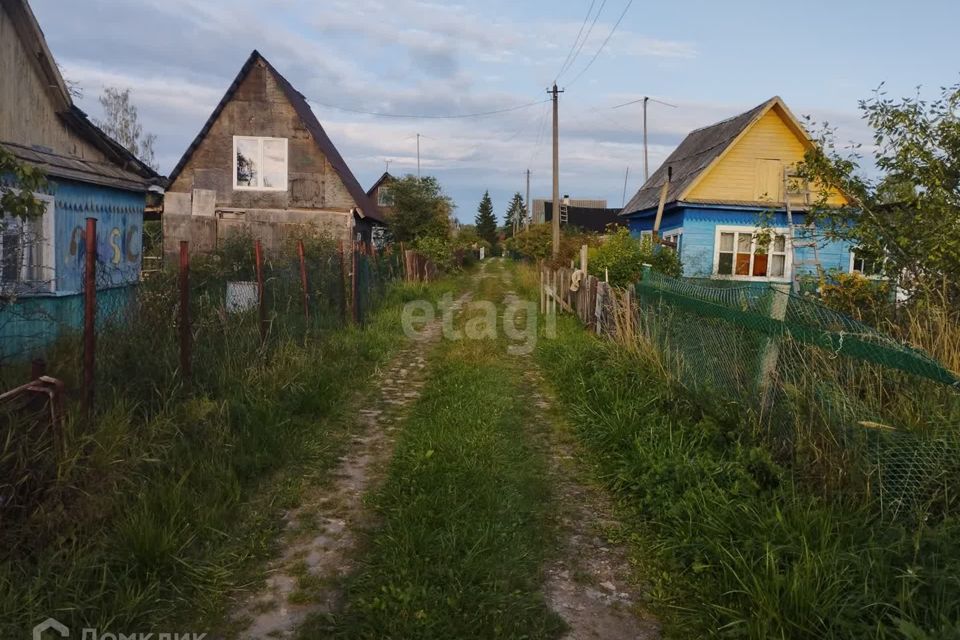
(89,175)
(725,210)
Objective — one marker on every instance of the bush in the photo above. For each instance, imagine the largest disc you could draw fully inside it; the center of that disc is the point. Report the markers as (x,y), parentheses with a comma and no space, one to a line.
(857,296)
(536,243)
(622,257)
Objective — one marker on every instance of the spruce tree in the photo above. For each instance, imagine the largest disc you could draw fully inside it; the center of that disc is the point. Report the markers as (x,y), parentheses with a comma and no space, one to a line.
(516,212)
(486,221)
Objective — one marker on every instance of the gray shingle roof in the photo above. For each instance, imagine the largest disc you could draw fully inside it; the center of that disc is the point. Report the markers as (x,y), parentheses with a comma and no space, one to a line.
(691,158)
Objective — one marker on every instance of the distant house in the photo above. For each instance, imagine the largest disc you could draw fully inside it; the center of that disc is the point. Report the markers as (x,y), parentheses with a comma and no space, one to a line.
(89,175)
(380,194)
(262,161)
(595,219)
(539,209)
(727,183)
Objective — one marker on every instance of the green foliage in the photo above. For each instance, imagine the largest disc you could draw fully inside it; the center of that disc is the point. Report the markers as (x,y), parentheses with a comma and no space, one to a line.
(536,243)
(122,123)
(910,215)
(516,214)
(623,256)
(17,200)
(730,541)
(857,296)
(420,209)
(485,221)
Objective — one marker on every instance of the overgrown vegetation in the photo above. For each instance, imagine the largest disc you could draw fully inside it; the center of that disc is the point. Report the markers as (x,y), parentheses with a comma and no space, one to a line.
(621,257)
(150,513)
(743,547)
(536,244)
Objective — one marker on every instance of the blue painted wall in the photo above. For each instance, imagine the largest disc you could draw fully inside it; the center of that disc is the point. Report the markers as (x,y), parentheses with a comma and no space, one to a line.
(34,321)
(699,224)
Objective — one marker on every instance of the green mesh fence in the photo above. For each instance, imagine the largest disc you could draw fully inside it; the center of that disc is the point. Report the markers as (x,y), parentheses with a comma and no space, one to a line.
(850,407)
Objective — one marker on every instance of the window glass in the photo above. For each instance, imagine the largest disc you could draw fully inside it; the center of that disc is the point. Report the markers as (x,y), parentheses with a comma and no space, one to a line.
(760,264)
(725,266)
(726,242)
(274,164)
(777,265)
(248,157)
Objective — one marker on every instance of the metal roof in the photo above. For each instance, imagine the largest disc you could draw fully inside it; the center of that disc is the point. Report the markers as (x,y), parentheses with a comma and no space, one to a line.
(71,168)
(697,151)
(366,206)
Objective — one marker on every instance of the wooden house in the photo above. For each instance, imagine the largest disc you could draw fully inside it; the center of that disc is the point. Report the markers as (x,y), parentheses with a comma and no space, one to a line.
(727,183)
(89,175)
(262,161)
(380,194)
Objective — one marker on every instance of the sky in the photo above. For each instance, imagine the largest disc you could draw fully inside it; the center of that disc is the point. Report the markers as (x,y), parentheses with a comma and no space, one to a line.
(710,59)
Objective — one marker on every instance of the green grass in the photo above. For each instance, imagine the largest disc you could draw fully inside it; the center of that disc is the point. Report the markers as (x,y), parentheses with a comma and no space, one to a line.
(464,513)
(731,545)
(172,498)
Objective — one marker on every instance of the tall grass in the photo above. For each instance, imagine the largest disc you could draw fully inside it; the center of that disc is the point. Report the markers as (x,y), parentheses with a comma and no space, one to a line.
(153,512)
(743,547)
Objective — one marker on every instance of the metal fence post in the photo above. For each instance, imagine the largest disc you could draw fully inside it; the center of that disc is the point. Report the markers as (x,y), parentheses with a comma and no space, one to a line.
(185,329)
(303,281)
(261,302)
(89,316)
(355,286)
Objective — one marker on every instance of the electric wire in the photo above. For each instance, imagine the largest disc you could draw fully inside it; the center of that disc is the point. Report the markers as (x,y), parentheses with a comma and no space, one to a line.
(602,46)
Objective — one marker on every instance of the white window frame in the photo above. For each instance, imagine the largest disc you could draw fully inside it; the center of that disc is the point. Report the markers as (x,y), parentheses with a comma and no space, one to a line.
(675,236)
(787,261)
(27,282)
(646,233)
(384,197)
(260,140)
(870,276)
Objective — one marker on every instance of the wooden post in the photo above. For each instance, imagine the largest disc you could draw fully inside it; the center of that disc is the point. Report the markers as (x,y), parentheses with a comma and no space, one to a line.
(185,329)
(354,287)
(89,316)
(771,350)
(584,253)
(303,281)
(343,283)
(262,301)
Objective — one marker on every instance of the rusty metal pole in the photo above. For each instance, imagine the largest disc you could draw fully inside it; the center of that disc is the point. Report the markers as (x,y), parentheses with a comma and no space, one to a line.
(261,302)
(355,286)
(185,328)
(303,281)
(89,316)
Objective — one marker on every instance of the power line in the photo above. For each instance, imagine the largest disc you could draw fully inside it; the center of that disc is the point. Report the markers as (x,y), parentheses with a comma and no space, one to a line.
(642,99)
(478,114)
(536,145)
(577,41)
(610,35)
(585,38)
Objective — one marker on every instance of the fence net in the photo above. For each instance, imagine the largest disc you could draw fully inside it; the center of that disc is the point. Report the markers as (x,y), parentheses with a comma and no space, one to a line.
(851,409)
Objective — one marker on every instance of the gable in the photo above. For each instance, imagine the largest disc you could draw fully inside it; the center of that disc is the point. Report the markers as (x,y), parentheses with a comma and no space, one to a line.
(30,103)
(751,169)
(261,103)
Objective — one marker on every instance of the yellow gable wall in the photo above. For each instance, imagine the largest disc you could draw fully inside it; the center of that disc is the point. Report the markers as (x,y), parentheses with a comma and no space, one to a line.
(752,170)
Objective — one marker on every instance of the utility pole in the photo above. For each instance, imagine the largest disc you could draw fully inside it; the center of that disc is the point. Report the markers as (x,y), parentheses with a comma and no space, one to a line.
(418,156)
(527,201)
(556,170)
(646,162)
(625,177)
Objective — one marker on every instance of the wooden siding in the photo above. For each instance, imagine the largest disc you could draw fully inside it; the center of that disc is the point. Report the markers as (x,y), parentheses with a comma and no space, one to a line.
(28,114)
(260,108)
(752,169)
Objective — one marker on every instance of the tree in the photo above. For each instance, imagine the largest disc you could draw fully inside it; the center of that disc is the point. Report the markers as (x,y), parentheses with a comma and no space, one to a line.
(486,222)
(17,200)
(907,220)
(420,209)
(516,214)
(121,122)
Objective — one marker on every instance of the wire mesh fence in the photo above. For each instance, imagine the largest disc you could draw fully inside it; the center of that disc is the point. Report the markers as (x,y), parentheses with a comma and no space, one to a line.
(177,332)
(852,410)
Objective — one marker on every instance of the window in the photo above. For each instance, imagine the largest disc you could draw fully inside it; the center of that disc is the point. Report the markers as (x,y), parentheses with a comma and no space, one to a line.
(869,267)
(674,236)
(742,252)
(646,235)
(260,164)
(384,197)
(27,262)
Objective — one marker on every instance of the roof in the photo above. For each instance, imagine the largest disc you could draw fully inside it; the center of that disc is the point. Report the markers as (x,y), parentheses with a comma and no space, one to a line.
(385,177)
(366,206)
(125,170)
(698,152)
(587,218)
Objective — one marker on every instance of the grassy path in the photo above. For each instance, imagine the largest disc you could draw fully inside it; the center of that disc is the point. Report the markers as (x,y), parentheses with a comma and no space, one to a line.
(474,539)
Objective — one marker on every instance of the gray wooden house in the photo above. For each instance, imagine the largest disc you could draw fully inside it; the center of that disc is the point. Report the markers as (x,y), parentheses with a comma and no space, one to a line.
(263,161)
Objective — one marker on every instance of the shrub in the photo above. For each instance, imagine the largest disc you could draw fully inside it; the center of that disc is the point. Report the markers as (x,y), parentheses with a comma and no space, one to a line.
(857,296)
(536,243)
(622,257)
